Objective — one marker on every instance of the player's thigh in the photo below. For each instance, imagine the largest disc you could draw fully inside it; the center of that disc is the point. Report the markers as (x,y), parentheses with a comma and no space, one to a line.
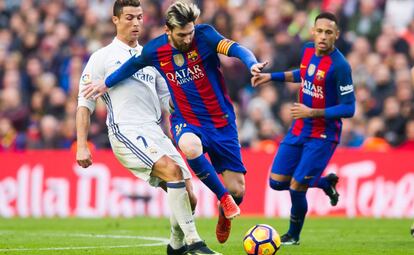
(188,138)
(136,152)
(287,159)
(169,149)
(315,158)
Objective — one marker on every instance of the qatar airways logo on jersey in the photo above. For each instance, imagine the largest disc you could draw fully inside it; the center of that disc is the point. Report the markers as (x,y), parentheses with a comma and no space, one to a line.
(185,75)
(312,90)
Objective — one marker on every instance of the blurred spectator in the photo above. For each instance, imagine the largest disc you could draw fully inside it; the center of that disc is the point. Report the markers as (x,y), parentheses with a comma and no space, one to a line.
(367,21)
(10,140)
(350,136)
(375,140)
(44,45)
(394,121)
(408,144)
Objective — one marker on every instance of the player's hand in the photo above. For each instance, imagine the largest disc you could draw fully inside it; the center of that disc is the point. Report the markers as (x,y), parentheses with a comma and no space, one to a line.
(300,111)
(260,79)
(83,156)
(257,68)
(94,90)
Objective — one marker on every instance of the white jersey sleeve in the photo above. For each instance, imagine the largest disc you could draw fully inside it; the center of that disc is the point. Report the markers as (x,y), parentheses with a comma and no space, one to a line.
(94,70)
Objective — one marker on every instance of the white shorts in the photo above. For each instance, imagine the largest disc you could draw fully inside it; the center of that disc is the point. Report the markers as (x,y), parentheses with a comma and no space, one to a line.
(138,148)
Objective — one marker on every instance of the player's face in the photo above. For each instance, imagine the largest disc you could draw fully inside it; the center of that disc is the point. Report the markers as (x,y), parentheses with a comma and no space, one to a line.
(129,24)
(325,33)
(182,37)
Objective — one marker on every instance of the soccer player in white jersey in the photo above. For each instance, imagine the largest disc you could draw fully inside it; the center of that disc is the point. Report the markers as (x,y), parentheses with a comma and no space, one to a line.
(133,117)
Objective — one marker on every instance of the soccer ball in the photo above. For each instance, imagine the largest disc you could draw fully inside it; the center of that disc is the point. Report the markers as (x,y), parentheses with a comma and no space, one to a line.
(261,239)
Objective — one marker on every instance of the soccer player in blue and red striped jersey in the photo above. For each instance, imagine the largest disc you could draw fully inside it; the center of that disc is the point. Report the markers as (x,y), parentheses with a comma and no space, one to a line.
(203,119)
(326,95)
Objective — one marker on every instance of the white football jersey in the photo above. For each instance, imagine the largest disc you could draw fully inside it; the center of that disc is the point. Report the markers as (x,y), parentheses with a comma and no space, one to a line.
(134,101)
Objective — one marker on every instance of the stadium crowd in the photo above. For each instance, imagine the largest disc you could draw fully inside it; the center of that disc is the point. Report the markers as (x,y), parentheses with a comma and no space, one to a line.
(44,45)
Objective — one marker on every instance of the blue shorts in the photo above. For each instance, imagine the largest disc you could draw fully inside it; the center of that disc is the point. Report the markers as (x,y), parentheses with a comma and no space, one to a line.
(303,158)
(221,144)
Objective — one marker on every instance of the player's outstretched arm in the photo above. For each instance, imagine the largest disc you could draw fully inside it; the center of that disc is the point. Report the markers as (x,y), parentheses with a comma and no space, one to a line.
(290,76)
(83,154)
(127,69)
(260,78)
(343,110)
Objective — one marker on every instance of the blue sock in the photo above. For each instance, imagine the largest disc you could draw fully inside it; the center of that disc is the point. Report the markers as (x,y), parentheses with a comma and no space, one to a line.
(297,212)
(321,183)
(207,174)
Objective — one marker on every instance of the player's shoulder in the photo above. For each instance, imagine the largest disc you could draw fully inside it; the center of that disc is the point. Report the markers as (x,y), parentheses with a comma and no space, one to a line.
(204,29)
(103,51)
(310,45)
(339,59)
(155,43)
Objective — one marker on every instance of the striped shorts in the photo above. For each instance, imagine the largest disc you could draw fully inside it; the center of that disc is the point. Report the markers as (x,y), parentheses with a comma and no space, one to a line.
(138,148)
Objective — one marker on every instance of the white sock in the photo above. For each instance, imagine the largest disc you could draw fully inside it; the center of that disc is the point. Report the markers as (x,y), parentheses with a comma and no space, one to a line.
(177,235)
(179,202)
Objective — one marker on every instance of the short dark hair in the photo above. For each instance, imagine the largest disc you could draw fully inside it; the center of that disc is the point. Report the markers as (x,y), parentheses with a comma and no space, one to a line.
(120,4)
(327,15)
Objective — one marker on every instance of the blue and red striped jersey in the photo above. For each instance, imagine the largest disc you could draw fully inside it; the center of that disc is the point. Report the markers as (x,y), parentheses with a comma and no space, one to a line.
(194,79)
(326,82)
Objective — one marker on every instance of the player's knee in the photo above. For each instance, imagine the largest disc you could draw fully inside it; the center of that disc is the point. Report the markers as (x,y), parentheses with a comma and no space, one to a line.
(277,185)
(191,151)
(191,146)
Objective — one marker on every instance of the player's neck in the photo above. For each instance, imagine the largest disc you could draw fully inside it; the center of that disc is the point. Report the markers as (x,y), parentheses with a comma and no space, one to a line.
(320,53)
(131,44)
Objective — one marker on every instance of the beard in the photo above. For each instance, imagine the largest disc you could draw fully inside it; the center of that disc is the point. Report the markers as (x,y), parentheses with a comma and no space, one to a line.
(181,46)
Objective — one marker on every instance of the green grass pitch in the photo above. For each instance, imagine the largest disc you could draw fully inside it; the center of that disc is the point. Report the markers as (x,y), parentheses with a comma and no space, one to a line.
(321,236)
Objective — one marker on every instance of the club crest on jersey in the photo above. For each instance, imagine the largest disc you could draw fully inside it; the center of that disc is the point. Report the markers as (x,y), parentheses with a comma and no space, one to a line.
(311,69)
(320,75)
(178,59)
(192,55)
(86,78)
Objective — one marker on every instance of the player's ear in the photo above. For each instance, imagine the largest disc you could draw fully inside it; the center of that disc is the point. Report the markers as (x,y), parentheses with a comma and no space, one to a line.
(313,31)
(115,20)
(167,30)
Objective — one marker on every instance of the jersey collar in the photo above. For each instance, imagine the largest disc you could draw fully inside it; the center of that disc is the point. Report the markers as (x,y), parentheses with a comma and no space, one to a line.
(126,47)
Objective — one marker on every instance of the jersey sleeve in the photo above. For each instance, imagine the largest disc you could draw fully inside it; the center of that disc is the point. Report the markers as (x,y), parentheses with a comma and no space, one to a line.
(135,63)
(94,70)
(345,90)
(344,84)
(226,46)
